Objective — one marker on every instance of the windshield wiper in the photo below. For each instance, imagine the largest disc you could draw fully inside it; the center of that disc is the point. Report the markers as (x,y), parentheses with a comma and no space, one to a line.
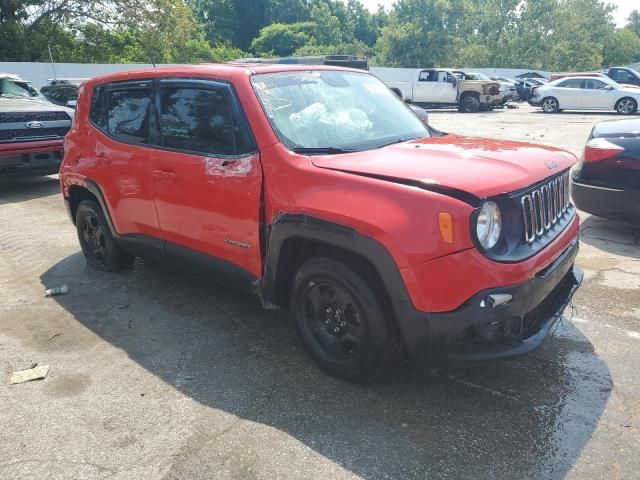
(322,150)
(399,140)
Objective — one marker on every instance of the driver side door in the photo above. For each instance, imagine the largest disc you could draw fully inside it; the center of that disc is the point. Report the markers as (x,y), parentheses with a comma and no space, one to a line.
(595,94)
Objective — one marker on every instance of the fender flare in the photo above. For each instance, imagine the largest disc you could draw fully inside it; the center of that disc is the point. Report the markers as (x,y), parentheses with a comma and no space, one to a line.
(300,225)
(95,190)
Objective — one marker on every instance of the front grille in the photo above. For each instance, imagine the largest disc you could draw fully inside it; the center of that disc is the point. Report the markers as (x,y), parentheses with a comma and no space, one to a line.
(18,117)
(32,134)
(545,206)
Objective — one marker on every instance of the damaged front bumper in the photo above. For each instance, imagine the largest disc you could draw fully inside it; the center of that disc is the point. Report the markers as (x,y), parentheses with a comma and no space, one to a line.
(498,322)
(491,100)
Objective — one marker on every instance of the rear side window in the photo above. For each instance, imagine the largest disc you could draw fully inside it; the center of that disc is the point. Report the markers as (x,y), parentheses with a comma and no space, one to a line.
(202,120)
(98,111)
(128,114)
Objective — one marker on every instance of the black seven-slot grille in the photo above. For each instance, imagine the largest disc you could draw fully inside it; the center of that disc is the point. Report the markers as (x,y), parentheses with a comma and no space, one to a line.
(545,206)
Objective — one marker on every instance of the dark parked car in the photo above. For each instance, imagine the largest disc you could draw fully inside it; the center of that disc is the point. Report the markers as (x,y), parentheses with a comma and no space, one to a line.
(525,87)
(624,75)
(606,182)
(62,91)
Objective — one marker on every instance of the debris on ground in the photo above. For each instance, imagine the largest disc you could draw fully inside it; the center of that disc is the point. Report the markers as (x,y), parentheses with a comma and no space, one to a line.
(62,290)
(34,373)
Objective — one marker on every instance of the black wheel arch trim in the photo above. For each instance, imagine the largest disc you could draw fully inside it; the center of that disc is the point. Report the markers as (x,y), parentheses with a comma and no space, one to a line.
(95,190)
(286,226)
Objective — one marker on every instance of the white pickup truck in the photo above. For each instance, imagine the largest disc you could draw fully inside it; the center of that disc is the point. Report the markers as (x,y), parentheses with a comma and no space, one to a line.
(441,87)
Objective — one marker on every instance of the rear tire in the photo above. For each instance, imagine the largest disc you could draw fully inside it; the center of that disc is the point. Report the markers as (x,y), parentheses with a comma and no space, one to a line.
(469,104)
(550,105)
(342,323)
(626,106)
(98,245)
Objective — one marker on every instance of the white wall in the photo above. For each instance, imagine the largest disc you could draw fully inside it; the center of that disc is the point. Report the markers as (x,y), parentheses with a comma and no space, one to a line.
(38,73)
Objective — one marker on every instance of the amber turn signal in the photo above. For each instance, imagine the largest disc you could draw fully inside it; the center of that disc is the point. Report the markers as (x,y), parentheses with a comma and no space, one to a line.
(446,226)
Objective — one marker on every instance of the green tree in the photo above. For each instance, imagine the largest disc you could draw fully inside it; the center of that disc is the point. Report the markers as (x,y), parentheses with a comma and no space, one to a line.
(280,39)
(633,22)
(621,47)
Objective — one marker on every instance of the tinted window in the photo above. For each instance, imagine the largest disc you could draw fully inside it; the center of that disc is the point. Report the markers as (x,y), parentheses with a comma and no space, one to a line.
(98,113)
(621,75)
(594,85)
(128,117)
(202,120)
(571,83)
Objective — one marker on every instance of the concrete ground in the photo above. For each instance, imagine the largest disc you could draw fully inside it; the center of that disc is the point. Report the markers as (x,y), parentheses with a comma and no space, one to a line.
(155,375)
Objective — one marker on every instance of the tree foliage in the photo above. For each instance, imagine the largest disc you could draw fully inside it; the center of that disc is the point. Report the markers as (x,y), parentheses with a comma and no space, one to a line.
(540,34)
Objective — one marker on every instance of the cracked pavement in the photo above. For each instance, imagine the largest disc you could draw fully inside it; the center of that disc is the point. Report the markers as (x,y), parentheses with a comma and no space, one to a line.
(157,375)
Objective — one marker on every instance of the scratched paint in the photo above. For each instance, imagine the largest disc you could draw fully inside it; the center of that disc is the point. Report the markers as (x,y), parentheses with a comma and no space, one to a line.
(228,167)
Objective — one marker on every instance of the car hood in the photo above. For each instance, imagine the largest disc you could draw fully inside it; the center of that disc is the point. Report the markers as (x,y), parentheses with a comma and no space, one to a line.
(10,104)
(476,166)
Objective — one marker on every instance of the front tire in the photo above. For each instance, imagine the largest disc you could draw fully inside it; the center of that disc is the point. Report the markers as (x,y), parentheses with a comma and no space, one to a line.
(342,323)
(626,106)
(469,104)
(98,245)
(550,105)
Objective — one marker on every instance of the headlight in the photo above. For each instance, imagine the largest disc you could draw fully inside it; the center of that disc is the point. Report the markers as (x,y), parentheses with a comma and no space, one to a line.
(489,225)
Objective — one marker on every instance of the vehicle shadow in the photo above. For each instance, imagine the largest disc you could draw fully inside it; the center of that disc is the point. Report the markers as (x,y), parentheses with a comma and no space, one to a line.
(594,113)
(20,189)
(611,236)
(528,417)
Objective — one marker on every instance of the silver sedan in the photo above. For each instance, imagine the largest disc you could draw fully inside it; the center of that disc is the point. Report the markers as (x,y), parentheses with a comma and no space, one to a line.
(586,93)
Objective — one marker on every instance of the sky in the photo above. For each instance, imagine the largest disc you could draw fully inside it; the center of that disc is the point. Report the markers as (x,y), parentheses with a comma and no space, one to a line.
(624,8)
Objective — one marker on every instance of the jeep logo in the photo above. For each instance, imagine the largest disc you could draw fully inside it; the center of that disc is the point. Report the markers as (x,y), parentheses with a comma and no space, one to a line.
(34,124)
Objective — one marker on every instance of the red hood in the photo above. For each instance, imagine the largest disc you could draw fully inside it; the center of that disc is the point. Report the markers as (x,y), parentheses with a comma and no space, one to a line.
(478,166)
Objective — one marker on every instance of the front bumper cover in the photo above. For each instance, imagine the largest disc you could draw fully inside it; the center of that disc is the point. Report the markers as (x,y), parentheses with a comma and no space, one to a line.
(477,332)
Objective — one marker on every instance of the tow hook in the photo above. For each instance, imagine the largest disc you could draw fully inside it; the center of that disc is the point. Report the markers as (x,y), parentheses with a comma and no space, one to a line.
(495,300)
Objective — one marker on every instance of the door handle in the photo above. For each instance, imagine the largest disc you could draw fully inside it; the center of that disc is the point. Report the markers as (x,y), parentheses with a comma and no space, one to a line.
(165,175)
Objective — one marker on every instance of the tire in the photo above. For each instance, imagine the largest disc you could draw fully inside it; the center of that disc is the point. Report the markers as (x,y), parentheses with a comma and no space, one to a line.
(469,104)
(550,105)
(341,321)
(626,106)
(98,245)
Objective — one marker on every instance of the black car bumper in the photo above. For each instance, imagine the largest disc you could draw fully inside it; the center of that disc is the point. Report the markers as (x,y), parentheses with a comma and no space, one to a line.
(478,331)
(623,205)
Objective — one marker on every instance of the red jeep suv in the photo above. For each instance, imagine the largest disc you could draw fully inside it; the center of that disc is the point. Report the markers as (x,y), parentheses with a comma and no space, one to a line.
(317,190)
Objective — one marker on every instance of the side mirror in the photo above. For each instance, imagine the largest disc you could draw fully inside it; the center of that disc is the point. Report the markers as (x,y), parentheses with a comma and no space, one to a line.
(71,104)
(608,87)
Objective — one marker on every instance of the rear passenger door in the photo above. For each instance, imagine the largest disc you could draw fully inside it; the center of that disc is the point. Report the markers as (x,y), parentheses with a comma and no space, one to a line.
(207,175)
(119,160)
(433,89)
